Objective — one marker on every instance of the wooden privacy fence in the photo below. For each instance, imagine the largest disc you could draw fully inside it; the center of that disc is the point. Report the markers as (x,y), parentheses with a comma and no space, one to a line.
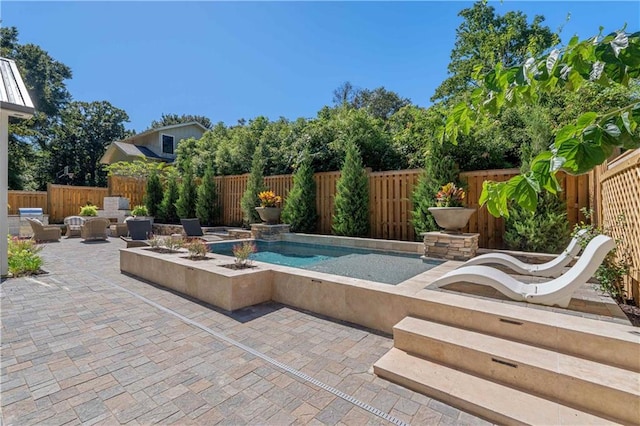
(19,199)
(65,200)
(59,201)
(575,194)
(390,203)
(619,192)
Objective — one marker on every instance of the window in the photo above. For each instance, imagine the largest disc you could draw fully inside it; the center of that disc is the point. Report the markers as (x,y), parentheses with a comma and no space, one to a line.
(167,144)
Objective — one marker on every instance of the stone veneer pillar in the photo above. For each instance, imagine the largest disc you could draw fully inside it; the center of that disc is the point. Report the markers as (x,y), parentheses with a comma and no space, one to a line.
(262,231)
(450,246)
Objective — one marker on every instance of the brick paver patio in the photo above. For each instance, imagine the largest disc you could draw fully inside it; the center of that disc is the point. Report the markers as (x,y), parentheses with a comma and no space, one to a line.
(77,348)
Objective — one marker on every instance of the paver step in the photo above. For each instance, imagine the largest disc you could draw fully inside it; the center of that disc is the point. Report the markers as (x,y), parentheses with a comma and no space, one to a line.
(583,384)
(493,401)
(603,342)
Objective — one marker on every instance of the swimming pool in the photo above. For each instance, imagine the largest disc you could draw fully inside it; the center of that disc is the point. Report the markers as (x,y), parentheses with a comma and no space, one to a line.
(372,265)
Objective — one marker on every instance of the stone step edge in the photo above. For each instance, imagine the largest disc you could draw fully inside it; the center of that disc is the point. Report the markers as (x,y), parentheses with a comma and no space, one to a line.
(475,395)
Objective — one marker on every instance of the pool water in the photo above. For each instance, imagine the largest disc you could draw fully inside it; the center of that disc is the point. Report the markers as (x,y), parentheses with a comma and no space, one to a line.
(384,267)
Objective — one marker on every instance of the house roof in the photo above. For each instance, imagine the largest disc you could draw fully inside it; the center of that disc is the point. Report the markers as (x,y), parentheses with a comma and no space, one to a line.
(130,150)
(14,96)
(162,129)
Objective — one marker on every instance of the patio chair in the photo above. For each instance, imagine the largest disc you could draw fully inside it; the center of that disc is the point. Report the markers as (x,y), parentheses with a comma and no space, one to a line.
(554,292)
(139,233)
(551,269)
(95,228)
(193,229)
(44,232)
(74,225)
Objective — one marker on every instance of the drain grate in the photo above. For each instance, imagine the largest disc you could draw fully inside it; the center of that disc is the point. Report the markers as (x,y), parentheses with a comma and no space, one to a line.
(285,367)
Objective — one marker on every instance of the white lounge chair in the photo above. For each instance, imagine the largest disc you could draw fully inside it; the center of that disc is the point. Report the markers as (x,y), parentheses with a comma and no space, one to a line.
(552,269)
(555,292)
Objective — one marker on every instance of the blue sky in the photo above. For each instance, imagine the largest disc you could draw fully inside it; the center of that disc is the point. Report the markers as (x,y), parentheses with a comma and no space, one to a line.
(231,60)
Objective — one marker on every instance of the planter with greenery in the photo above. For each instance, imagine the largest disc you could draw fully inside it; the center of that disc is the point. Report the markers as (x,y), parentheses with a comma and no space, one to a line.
(140,212)
(89,210)
(449,213)
(269,209)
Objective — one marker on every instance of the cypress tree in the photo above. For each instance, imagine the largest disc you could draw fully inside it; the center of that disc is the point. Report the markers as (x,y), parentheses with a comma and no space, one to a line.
(154,194)
(300,206)
(207,208)
(351,216)
(168,211)
(186,204)
(439,169)
(255,185)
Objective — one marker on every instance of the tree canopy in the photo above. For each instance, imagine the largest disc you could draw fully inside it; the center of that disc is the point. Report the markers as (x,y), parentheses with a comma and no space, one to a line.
(485,39)
(610,61)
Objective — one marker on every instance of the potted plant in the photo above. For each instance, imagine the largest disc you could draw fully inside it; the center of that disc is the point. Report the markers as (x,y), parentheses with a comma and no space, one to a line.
(140,212)
(449,213)
(89,210)
(269,209)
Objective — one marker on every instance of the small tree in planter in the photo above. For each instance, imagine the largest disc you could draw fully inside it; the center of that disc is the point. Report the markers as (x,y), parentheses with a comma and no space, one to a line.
(300,207)
(168,212)
(351,216)
(154,195)
(207,207)
(186,204)
(255,185)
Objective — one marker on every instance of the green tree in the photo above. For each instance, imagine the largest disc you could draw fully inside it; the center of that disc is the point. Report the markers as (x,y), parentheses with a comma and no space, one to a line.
(484,40)
(28,139)
(439,169)
(608,61)
(80,139)
(171,119)
(207,206)
(154,193)
(186,204)
(380,103)
(351,206)
(300,206)
(168,211)
(255,185)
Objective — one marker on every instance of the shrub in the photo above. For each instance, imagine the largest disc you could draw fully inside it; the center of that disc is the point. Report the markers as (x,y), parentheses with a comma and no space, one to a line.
(351,216)
(450,196)
(207,207)
(255,185)
(300,207)
(23,257)
(197,248)
(140,210)
(186,204)
(154,194)
(168,212)
(242,253)
(89,210)
(545,230)
(611,272)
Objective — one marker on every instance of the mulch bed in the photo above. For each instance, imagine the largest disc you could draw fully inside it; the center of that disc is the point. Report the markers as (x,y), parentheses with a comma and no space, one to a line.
(633,313)
(197,257)
(237,267)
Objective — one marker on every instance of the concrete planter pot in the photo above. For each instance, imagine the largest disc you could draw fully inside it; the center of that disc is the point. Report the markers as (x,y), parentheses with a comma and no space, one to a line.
(269,215)
(451,219)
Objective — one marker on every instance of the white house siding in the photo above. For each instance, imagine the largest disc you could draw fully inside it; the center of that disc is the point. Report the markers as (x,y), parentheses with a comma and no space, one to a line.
(153,141)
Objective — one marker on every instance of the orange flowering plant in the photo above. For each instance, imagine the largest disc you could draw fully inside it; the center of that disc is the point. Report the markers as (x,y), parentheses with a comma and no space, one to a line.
(269,199)
(450,196)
